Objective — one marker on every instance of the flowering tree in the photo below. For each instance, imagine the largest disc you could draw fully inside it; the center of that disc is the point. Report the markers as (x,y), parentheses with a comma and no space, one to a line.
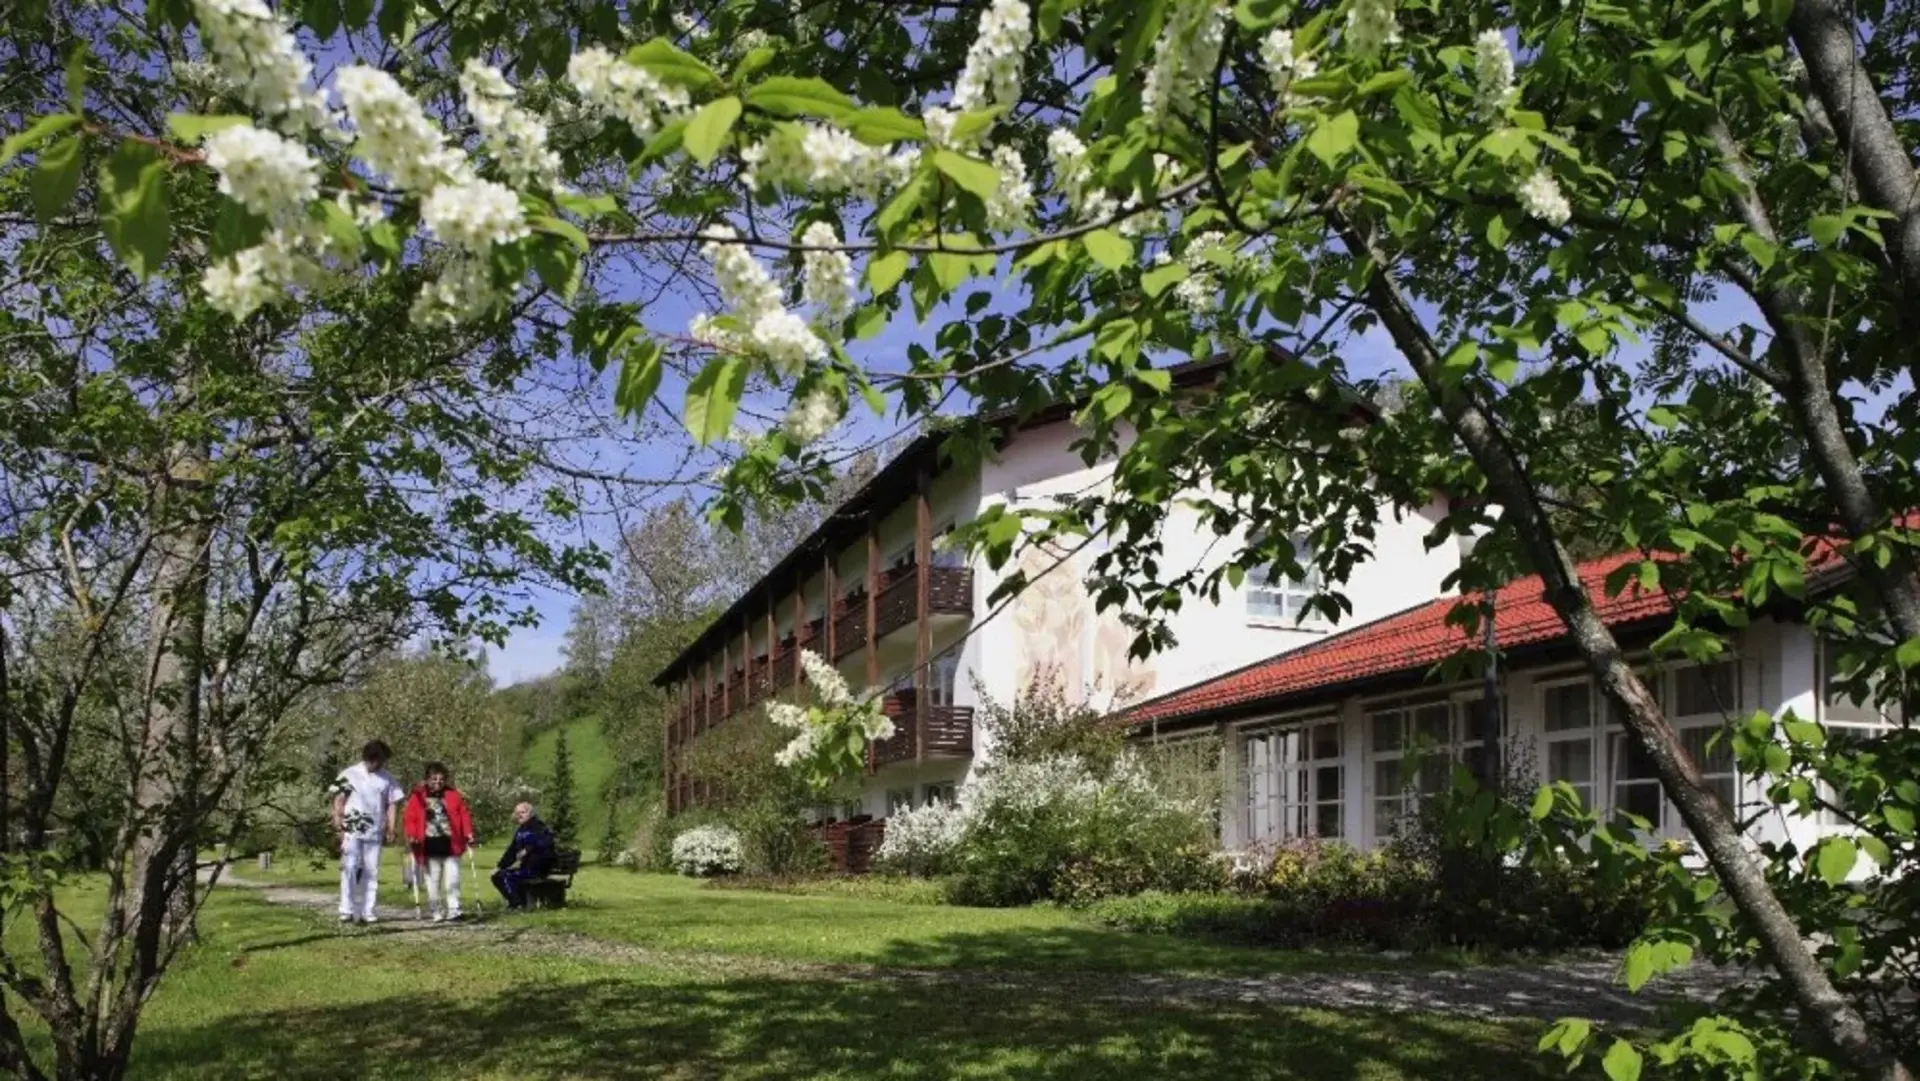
(1691,227)
(830,733)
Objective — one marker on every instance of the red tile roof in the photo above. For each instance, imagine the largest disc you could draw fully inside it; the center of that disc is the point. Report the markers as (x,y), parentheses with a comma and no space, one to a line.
(1409,641)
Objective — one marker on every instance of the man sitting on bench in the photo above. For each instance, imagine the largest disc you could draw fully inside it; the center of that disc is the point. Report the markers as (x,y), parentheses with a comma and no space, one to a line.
(529,857)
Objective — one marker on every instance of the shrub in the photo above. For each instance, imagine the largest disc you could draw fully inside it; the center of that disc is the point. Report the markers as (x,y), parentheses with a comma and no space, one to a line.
(1042,723)
(1058,829)
(923,841)
(705,851)
(1251,921)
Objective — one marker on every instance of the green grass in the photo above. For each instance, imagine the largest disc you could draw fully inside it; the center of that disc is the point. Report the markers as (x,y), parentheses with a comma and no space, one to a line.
(592,766)
(664,912)
(275,993)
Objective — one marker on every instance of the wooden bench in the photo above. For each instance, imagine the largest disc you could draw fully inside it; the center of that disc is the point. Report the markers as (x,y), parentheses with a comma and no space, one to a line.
(551,890)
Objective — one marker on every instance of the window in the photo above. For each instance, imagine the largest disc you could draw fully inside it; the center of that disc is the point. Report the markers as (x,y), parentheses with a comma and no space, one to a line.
(899,799)
(1295,782)
(1698,701)
(1567,712)
(1849,718)
(941,792)
(1435,733)
(942,673)
(1273,598)
(952,557)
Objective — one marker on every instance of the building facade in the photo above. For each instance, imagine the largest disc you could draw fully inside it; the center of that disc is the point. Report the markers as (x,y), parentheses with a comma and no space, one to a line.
(876,590)
(1341,740)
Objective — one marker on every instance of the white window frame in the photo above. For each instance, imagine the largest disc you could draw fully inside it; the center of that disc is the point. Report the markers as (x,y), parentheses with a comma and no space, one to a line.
(944,791)
(1699,725)
(1281,602)
(899,799)
(1284,800)
(1862,720)
(1589,733)
(1386,806)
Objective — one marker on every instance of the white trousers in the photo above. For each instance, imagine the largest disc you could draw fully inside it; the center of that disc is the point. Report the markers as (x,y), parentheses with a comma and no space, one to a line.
(359,876)
(443,881)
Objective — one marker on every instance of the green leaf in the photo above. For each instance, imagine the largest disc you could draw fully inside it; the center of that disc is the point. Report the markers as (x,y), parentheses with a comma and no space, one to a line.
(557,264)
(876,401)
(1622,1062)
(396,18)
(950,270)
(1899,819)
(709,128)
(1827,229)
(904,203)
(1111,401)
(1108,248)
(1759,249)
(754,62)
(236,229)
(970,173)
(1333,137)
(1567,1035)
(559,227)
(133,207)
(640,372)
(36,133)
(786,95)
(190,129)
(670,63)
(885,271)
(321,16)
(339,224)
(76,78)
(57,177)
(1051,12)
(868,322)
(713,397)
(1260,14)
(883,127)
(1907,654)
(356,12)
(1386,82)
(1161,278)
(587,206)
(1542,803)
(1835,859)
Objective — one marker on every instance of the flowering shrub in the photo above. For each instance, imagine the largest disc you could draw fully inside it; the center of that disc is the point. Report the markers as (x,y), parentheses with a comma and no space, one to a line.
(705,851)
(922,841)
(1054,828)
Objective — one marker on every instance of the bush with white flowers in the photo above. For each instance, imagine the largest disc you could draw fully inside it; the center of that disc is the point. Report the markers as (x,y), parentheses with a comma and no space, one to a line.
(922,841)
(706,851)
(831,733)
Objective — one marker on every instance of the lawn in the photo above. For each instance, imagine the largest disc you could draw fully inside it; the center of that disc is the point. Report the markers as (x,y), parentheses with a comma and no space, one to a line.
(277,992)
(592,766)
(669,913)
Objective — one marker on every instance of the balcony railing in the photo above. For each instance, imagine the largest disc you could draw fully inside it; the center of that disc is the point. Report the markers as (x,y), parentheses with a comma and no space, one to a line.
(941,731)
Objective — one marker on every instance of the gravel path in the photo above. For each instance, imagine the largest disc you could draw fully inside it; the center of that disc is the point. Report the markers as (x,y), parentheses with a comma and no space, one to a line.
(1586,987)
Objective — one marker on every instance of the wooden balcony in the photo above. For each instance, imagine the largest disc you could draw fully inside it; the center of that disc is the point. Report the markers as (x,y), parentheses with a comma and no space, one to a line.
(949,593)
(923,732)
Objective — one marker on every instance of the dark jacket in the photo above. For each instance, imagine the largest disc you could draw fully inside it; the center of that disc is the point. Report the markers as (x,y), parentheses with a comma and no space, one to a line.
(532,848)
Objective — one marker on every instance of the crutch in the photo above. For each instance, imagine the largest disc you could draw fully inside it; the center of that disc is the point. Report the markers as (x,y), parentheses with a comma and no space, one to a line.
(478,909)
(413,868)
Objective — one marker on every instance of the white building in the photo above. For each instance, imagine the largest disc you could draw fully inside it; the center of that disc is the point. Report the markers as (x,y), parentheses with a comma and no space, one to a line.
(873,588)
(1315,742)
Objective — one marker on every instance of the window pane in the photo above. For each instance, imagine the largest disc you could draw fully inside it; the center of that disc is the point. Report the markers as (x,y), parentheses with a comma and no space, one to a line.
(1265,603)
(1436,775)
(1568,706)
(1630,763)
(1327,783)
(1570,760)
(1327,821)
(1479,723)
(1705,690)
(1386,779)
(1326,741)
(1638,798)
(1388,730)
(1433,724)
(1717,759)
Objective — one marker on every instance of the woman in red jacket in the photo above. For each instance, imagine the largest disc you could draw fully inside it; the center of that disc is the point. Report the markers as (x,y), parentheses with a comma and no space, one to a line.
(439,830)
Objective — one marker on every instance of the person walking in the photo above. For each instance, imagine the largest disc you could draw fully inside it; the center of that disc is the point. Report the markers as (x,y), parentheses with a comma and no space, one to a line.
(364,798)
(439,830)
(528,857)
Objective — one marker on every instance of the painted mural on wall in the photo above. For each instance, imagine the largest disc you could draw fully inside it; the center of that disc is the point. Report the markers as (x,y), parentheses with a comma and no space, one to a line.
(1062,637)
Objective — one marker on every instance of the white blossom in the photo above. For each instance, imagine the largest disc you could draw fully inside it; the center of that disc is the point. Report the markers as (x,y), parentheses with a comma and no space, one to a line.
(772,330)
(1540,196)
(238,285)
(396,138)
(259,56)
(686,24)
(365,214)
(1185,55)
(828,684)
(829,272)
(1371,27)
(991,75)
(1012,199)
(811,417)
(625,91)
(516,138)
(922,840)
(286,258)
(705,851)
(702,330)
(1284,65)
(1073,175)
(269,174)
(474,215)
(1492,75)
(825,160)
(877,726)
(462,293)
(787,715)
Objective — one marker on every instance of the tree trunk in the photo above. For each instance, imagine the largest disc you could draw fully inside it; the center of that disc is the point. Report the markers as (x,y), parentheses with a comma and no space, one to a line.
(1711,823)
